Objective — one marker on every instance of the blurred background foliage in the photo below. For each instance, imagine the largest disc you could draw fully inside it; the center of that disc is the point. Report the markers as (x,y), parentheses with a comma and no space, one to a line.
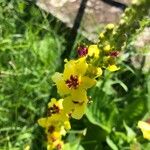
(31,45)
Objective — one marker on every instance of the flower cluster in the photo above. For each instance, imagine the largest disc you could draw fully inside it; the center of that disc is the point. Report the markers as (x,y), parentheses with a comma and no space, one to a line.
(109,54)
(56,124)
(80,74)
(72,84)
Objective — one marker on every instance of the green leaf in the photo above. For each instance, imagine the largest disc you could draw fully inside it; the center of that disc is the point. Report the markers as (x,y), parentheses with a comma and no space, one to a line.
(130,133)
(93,119)
(94,137)
(122,85)
(73,143)
(102,111)
(111,143)
(135,110)
(75,146)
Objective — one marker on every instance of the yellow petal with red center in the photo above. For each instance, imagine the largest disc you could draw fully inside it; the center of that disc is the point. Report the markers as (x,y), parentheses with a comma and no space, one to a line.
(76,103)
(77,96)
(87,82)
(52,102)
(145,128)
(42,122)
(56,103)
(56,134)
(60,83)
(55,145)
(113,68)
(53,137)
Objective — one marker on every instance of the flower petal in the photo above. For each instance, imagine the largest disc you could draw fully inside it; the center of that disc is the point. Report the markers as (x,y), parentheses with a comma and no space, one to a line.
(87,82)
(76,103)
(99,72)
(60,83)
(69,69)
(144,125)
(42,122)
(79,111)
(145,128)
(79,95)
(93,50)
(93,72)
(67,104)
(113,68)
(52,102)
(67,125)
(81,66)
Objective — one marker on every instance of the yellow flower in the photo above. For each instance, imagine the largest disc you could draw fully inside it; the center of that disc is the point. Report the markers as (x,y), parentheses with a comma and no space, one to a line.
(113,68)
(76,103)
(93,71)
(53,137)
(55,102)
(73,77)
(109,63)
(107,48)
(51,124)
(93,51)
(145,128)
(55,123)
(56,145)
(54,106)
(110,26)
(99,71)
(101,35)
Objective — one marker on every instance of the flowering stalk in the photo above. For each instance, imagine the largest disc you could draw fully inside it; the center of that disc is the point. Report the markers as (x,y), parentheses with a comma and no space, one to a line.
(56,124)
(81,74)
(117,37)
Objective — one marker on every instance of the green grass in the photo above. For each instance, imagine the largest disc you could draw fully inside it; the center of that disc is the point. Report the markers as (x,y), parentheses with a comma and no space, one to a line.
(30,52)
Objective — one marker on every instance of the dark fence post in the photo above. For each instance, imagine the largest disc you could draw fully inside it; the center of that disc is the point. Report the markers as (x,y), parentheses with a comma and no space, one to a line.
(116,4)
(71,37)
